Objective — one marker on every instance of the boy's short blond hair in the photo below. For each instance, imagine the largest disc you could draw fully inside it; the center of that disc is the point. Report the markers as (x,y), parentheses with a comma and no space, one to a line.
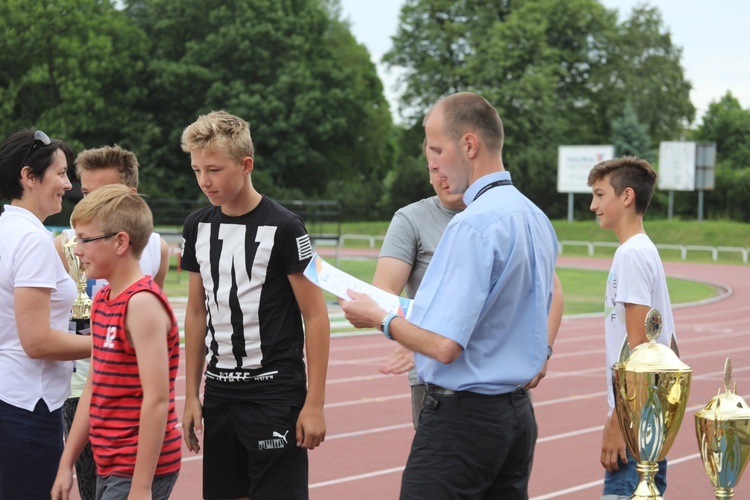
(219,131)
(117,209)
(122,160)
(628,172)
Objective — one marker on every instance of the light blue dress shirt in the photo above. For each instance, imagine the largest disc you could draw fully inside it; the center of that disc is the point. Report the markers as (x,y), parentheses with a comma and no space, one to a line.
(489,288)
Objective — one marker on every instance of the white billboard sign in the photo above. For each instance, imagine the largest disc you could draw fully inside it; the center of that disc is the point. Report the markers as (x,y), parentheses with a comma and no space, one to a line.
(574,164)
(677,166)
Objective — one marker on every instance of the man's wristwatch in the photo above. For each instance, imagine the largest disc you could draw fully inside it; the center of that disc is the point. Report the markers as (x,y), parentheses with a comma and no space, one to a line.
(549,351)
(386,323)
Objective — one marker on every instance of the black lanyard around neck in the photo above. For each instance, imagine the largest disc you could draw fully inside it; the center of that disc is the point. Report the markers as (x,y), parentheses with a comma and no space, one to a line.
(503,182)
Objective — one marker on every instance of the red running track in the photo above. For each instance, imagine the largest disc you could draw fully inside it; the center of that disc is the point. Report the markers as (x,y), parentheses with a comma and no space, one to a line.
(369,420)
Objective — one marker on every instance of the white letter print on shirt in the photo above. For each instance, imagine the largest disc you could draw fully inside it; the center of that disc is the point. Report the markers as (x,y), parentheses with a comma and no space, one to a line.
(247,295)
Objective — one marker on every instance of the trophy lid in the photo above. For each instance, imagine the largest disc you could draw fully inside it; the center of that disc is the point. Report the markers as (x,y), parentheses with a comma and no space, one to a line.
(653,357)
(727,405)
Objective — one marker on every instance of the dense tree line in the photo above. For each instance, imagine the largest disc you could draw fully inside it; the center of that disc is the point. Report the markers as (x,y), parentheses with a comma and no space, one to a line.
(728,125)
(559,72)
(136,72)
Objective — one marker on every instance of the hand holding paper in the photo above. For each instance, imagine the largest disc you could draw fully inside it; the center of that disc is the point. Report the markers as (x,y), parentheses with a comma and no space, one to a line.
(340,284)
(362,311)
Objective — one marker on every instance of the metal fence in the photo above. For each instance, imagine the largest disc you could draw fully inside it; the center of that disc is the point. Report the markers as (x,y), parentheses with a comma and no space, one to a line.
(683,249)
(373,241)
(322,217)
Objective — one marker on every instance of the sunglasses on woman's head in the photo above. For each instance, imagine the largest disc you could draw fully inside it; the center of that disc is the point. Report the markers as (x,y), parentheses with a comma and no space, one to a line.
(40,140)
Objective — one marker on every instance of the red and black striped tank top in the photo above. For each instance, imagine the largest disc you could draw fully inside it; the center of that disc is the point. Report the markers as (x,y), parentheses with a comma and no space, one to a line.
(117,394)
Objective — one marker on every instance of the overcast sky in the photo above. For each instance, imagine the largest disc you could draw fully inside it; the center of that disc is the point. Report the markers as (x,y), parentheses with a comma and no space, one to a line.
(713,36)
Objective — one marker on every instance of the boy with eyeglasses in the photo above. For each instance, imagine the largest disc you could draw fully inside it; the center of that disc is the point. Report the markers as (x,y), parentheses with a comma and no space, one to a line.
(127,408)
(95,168)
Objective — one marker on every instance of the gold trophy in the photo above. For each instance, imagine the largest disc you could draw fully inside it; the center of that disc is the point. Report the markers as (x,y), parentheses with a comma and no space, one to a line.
(81,309)
(651,388)
(723,431)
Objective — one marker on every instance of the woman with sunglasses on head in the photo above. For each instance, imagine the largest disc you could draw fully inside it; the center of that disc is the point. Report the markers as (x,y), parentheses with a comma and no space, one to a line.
(36,294)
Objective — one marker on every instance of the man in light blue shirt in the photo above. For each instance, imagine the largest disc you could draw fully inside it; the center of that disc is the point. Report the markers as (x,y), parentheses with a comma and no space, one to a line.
(479,321)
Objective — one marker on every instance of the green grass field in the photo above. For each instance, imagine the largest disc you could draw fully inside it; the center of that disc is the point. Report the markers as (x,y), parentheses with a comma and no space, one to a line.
(583,289)
(675,232)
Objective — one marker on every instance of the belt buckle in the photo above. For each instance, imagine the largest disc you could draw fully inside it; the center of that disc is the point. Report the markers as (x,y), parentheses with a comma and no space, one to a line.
(436,390)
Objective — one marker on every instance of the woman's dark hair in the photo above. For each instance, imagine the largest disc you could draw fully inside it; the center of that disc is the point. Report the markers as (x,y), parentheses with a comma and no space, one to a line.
(18,151)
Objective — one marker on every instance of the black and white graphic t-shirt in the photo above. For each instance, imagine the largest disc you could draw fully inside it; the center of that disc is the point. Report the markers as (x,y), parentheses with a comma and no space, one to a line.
(254,336)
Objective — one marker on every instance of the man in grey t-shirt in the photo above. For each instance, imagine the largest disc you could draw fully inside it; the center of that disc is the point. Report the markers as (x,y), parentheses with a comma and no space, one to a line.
(410,242)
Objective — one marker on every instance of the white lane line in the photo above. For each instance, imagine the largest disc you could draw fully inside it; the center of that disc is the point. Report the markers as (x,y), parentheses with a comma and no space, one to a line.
(364,361)
(367,401)
(599,482)
(370,431)
(573,489)
(358,477)
(566,435)
(360,378)
(568,399)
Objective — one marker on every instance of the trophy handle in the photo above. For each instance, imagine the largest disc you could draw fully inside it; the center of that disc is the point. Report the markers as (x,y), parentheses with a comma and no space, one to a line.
(673,345)
(81,308)
(624,352)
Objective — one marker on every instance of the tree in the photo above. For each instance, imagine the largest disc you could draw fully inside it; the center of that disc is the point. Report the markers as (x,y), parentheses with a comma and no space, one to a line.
(533,65)
(408,181)
(728,125)
(643,68)
(559,72)
(72,68)
(432,45)
(371,152)
(311,95)
(630,136)
(561,56)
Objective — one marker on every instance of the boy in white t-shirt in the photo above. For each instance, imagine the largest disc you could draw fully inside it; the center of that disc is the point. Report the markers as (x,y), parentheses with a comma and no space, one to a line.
(622,189)
(95,168)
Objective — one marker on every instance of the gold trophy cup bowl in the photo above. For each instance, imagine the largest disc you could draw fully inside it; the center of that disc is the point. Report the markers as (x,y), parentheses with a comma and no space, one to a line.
(723,431)
(82,304)
(651,388)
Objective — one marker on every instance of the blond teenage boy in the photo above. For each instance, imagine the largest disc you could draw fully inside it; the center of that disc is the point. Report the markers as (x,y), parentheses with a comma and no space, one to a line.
(127,407)
(622,189)
(247,298)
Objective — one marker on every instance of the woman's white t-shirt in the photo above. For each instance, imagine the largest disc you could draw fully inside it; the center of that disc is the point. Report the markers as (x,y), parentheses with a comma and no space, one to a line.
(28,259)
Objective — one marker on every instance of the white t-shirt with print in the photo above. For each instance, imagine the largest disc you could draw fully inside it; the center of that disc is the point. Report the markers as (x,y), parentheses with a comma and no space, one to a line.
(636,277)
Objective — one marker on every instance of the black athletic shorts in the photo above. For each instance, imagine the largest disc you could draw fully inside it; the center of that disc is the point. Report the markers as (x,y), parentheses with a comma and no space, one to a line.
(250,449)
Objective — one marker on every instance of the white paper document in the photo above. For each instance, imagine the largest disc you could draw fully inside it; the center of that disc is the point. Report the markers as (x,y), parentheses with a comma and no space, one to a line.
(337,282)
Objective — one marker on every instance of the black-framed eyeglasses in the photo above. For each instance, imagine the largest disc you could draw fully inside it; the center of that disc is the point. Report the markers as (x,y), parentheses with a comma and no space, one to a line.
(94,238)
(40,140)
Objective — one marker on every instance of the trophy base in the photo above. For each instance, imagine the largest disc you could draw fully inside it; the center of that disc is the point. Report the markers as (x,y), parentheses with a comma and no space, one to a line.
(723,493)
(647,492)
(646,489)
(80,326)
